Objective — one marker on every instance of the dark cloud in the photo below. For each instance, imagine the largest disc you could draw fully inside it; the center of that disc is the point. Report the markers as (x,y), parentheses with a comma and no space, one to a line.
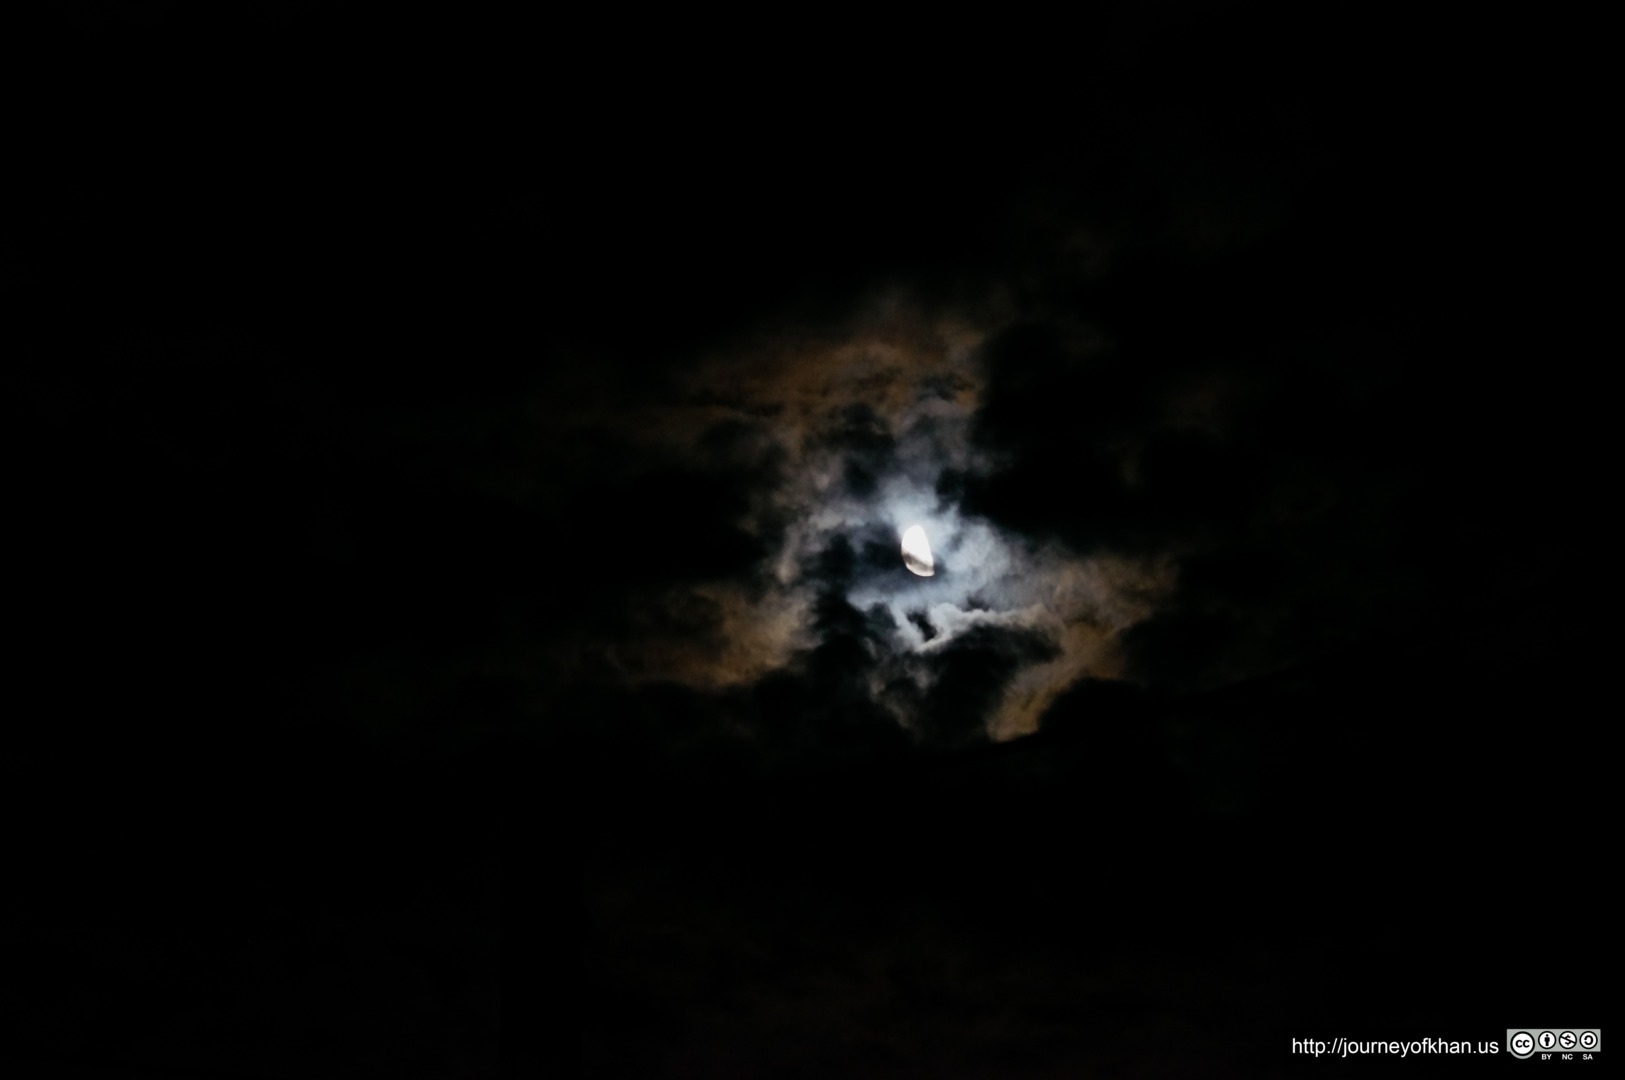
(967,677)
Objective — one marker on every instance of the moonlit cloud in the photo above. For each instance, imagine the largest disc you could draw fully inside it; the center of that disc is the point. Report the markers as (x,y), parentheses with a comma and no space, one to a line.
(862,424)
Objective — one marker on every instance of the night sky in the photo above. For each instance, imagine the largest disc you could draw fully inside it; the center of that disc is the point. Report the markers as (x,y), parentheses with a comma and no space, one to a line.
(457,475)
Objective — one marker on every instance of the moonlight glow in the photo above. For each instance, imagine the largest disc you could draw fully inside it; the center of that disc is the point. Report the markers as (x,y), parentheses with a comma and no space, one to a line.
(917,552)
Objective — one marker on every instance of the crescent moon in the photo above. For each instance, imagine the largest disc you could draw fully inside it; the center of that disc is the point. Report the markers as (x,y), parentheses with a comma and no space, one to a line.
(917,552)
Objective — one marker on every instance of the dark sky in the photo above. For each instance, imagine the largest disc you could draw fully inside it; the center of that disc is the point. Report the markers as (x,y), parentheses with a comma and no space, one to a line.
(458,471)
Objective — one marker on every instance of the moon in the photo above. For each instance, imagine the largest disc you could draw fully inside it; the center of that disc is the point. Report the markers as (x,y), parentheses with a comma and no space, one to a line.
(917,552)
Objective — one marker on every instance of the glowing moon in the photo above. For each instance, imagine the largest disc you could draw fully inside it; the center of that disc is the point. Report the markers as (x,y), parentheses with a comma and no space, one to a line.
(917,552)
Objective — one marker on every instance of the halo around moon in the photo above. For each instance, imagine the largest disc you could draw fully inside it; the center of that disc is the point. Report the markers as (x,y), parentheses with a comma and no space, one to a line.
(917,552)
